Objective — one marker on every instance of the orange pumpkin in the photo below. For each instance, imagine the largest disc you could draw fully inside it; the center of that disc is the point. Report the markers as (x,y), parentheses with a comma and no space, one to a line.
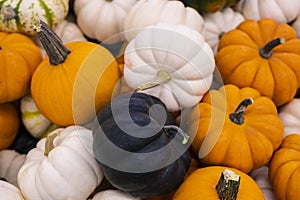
(216,183)
(284,170)
(74,81)
(19,57)
(235,127)
(263,55)
(9,123)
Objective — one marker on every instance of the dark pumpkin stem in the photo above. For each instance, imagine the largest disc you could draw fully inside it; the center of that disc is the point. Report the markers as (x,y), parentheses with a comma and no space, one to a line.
(228,185)
(52,44)
(238,115)
(162,77)
(266,51)
(49,142)
(174,130)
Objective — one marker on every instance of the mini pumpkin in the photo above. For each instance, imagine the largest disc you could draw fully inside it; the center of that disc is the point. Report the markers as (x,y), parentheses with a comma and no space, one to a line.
(141,150)
(149,13)
(284,169)
(264,55)
(235,127)
(218,183)
(10,192)
(171,62)
(61,166)
(18,53)
(74,82)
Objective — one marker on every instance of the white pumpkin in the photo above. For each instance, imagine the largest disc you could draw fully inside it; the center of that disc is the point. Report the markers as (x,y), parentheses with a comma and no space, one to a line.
(113,195)
(35,123)
(218,23)
(62,166)
(147,13)
(171,62)
(283,11)
(10,163)
(102,19)
(290,116)
(9,191)
(296,25)
(261,177)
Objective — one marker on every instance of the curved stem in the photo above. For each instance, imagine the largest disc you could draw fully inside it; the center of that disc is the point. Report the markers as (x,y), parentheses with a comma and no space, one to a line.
(174,130)
(52,44)
(163,76)
(266,51)
(49,142)
(228,185)
(7,13)
(238,115)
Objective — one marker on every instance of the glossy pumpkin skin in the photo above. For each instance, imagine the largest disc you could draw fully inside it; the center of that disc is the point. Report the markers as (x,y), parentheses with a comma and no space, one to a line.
(220,141)
(284,168)
(19,57)
(240,63)
(202,182)
(148,183)
(65,93)
(209,6)
(9,120)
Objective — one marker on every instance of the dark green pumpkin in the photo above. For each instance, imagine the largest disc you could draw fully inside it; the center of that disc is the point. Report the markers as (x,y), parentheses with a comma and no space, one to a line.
(140,171)
(209,6)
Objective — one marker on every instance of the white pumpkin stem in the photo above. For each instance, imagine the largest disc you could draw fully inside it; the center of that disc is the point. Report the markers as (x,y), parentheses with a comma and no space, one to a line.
(228,185)
(238,115)
(266,51)
(175,129)
(49,142)
(162,77)
(52,44)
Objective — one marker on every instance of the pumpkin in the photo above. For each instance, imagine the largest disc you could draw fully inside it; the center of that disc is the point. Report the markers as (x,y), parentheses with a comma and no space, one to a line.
(10,163)
(284,169)
(235,127)
(218,23)
(217,182)
(290,118)
(71,84)
(263,55)
(10,192)
(101,19)
(18,53)
(10,123)
(62,166)
(113,195)
(281,11)
(296,25)
(22,16)
(35,123)
(209,6)
(148,13)
(171,62)
(140,149)
(261,177)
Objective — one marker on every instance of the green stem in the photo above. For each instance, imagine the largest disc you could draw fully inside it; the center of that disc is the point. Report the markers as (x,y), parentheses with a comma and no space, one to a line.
(228,185)
(49,142)
(266,51)
(174,130)
(162,77)
(238,115)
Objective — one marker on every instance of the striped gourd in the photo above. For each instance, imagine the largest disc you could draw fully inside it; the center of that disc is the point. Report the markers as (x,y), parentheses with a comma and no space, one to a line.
(23,15)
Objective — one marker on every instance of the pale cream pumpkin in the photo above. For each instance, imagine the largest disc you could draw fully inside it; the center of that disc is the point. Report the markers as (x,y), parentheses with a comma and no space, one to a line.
(10,192)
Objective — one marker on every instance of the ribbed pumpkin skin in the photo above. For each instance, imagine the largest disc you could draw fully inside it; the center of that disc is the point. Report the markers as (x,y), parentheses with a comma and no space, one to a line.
(202,182)
(19,57)
(240,63)
(74,91)
(245,147)
(284,171)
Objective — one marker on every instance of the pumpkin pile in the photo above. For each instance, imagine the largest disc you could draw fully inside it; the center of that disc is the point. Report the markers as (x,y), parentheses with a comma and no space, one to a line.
(149,99)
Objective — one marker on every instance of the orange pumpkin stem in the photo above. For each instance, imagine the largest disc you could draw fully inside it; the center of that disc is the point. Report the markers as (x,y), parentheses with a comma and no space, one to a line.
(228,185)
(52,44)
(172,129)
(49,142)
(266,51)
(238,115)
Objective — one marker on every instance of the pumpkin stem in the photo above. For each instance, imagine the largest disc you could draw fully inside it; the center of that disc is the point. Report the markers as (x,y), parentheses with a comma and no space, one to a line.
(238,115)
(163,76)
(7,13)
(228,185)
(52,44)
(49,142)
(175,129)
(266,51)
(221,35)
